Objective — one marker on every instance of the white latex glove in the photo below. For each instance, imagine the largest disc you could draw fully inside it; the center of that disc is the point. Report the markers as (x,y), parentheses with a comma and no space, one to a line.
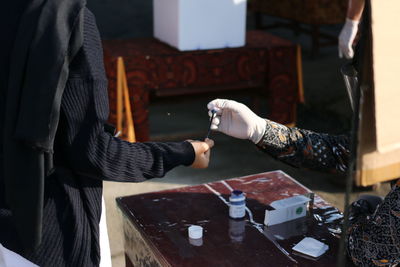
(346,38)
(237,120)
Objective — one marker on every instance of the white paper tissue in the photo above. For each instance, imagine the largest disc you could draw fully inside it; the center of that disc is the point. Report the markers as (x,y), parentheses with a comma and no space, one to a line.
(311,247)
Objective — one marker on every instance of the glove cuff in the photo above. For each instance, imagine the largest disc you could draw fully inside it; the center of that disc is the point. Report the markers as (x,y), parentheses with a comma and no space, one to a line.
(259,130)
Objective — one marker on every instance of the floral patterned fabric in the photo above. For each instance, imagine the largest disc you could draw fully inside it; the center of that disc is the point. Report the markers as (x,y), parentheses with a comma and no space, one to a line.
(306,149)
(375,240)
(372,239)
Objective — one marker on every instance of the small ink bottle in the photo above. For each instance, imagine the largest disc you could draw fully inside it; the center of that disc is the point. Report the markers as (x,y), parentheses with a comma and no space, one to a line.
(237,205)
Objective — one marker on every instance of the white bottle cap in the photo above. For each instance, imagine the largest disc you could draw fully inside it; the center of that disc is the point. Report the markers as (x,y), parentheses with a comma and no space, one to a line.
(195,231)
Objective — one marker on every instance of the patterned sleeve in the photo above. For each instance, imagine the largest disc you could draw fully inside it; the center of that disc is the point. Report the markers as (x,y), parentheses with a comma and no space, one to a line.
(306,149)
(375,240)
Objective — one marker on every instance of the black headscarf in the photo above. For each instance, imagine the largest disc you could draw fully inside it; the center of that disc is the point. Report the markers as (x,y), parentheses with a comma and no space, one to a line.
(50,33)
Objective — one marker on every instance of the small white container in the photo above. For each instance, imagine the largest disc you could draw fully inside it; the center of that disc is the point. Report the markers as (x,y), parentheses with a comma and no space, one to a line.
(286,210)
(200,24)
(195,232)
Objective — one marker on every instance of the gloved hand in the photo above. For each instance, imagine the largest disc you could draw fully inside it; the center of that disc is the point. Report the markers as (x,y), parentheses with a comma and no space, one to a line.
(237,120)
(346,38)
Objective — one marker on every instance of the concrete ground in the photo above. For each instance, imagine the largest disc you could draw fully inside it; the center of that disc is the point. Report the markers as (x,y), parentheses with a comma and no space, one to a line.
(326,109)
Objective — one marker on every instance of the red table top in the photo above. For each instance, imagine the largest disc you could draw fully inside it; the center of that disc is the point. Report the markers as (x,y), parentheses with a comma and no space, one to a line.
(163,219)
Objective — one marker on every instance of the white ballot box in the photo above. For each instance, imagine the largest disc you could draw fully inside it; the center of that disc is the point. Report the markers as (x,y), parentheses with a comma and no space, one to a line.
(200,24)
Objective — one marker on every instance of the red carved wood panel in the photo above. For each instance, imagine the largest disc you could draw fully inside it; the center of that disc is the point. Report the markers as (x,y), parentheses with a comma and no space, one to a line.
(266,62)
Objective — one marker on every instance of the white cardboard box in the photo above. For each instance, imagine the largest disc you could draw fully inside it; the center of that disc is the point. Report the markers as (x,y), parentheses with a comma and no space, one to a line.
(200,24)
(286,210)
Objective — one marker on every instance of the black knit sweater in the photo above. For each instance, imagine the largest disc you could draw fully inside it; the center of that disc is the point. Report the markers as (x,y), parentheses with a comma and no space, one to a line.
(85,155)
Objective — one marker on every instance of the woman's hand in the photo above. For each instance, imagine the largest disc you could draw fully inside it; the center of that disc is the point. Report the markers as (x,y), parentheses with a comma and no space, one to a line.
(202,153)
(237,120)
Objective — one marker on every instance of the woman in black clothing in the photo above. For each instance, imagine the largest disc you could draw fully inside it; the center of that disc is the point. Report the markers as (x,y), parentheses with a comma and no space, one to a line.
(373,238)
(55,151)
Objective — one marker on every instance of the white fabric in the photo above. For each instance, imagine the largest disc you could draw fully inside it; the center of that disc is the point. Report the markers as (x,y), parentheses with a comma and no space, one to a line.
(237,120)
(105,254)
(346,38)
(9,258)
(311,247)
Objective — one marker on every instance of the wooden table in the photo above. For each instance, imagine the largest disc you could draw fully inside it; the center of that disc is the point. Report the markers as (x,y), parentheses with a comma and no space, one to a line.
(266,65)
(155,226)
